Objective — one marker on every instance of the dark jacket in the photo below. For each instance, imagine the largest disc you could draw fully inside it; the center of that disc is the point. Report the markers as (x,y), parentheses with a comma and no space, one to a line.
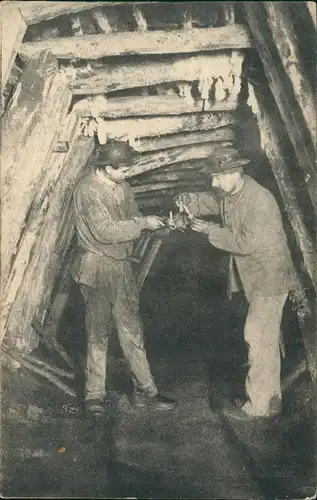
(107,223)
(252,231)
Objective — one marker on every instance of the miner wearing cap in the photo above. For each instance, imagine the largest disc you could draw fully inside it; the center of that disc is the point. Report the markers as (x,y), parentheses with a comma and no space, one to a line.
(108,222)
(260,265)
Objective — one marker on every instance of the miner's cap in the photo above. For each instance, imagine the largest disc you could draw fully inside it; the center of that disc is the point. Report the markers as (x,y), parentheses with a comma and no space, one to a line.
(114,153)
(223,161)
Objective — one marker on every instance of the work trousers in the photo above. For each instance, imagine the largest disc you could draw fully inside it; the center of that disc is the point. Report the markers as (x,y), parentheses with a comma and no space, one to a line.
(101,311)
(262,334)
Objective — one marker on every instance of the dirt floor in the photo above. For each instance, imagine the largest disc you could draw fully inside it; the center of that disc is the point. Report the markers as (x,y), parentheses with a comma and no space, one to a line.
(196,350)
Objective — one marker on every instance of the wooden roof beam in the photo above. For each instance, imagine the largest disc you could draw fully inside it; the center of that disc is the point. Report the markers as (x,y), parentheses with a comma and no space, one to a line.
(161,186)
(160,105)
(134,128)
(34,12)
(184,139)
(148,42)
(204,68)
(170,156)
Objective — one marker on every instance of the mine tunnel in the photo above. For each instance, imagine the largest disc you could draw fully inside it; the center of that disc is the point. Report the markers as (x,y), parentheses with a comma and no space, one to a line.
(177,82)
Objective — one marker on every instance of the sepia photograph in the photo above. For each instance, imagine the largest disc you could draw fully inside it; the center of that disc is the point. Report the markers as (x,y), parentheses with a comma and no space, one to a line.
(158,250)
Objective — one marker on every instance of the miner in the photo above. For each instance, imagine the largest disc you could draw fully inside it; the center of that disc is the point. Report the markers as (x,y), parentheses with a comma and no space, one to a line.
(108,222)
(251,231)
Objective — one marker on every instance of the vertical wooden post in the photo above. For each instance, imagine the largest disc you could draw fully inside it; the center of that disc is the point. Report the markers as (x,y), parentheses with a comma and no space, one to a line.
(271,55)
(54,230)
(272,148)
(13,28)
(148,261)
(29,131)
(284,37)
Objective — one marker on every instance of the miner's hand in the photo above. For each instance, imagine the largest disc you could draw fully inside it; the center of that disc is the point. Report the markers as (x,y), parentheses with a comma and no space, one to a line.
(154,222)
(202,226)
(182,199)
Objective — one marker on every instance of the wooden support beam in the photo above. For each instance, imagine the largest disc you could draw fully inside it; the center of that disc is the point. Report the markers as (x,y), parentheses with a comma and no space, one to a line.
(148,42)
(148,261)
(284,36)
(161,186)
(47,336)
(170,156)
(159,176)
(149,127)
(160,105)
(34,12)
(271,145)
(49,367)
(147,144)
(13,28)
(29,130)
(103,78)
(279,83)
(11,354)
(162,194)
(44,243)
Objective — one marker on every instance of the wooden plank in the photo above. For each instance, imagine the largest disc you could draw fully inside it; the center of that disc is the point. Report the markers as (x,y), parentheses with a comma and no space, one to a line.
(36,218)
(147,144)
(284,36)
(162,194)
(148,261)
(100,78)
(271,145)
(29,131)
(159,159)
(270,55)
(160,105)
(54,230)
(134,128)
(148,42)
(39,371)
(161,186)
(165,176)
(34,12)
(13,28)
